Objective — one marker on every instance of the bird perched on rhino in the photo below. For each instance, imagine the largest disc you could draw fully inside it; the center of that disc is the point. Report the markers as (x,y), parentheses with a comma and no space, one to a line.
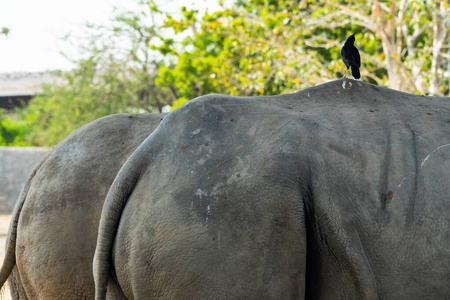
(350,57)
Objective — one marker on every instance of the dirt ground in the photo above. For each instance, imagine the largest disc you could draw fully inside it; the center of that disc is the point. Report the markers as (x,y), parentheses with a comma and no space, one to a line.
(4,225)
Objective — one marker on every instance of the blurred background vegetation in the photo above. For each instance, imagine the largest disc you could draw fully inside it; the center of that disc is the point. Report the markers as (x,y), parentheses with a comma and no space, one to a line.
(147,59)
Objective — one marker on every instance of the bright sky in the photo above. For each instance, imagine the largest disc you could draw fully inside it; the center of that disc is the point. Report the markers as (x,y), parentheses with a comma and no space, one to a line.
(36,28)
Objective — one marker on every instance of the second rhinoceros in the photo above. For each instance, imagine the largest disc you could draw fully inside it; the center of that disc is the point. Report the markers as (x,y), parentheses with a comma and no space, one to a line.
(53,231)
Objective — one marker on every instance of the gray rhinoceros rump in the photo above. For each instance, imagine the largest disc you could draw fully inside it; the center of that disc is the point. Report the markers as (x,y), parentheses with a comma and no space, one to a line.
(341,191)
(54,227)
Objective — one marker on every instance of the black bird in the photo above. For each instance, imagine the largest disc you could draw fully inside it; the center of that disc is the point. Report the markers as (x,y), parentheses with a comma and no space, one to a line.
(350,57)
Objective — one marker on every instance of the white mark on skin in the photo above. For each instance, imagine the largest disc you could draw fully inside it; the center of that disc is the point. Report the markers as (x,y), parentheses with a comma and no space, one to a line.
(309,95)
(208,213)
(400,184)
(421,166)
(428,156)
(252,130)
(350,83)
(197,131)
(343,84)
(199,193)
(201,161)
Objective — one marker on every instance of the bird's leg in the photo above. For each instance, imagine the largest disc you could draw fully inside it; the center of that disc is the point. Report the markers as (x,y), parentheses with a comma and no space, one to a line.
(345,75)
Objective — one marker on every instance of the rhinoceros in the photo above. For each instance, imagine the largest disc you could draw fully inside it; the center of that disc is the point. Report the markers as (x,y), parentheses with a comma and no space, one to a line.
(339,191)
(53,231)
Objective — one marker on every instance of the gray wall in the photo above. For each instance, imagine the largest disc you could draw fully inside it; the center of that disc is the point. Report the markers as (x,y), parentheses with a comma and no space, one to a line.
(16,163)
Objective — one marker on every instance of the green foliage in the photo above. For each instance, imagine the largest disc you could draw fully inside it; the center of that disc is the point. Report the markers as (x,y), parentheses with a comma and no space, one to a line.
(81,99)
(253,48)
(4,31)
(270,47)
(116,75)
(12,131)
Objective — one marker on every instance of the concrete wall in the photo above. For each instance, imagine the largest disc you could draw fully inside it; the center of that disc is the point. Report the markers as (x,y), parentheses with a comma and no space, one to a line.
(16,163)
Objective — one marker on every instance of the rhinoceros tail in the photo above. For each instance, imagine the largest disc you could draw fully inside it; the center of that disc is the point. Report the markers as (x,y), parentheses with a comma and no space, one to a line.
(113,206)
(10,256)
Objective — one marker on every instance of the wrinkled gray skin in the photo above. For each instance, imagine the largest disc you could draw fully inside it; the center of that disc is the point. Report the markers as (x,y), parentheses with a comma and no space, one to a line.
(340,191)
(62,200)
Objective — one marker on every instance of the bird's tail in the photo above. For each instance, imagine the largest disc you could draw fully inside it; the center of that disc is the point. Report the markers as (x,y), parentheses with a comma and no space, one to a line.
(355,73)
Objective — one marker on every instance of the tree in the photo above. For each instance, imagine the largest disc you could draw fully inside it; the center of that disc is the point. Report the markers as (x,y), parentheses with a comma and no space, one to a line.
(116,74)
(253,48)
(414,35)
(240,52)
(269,47)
